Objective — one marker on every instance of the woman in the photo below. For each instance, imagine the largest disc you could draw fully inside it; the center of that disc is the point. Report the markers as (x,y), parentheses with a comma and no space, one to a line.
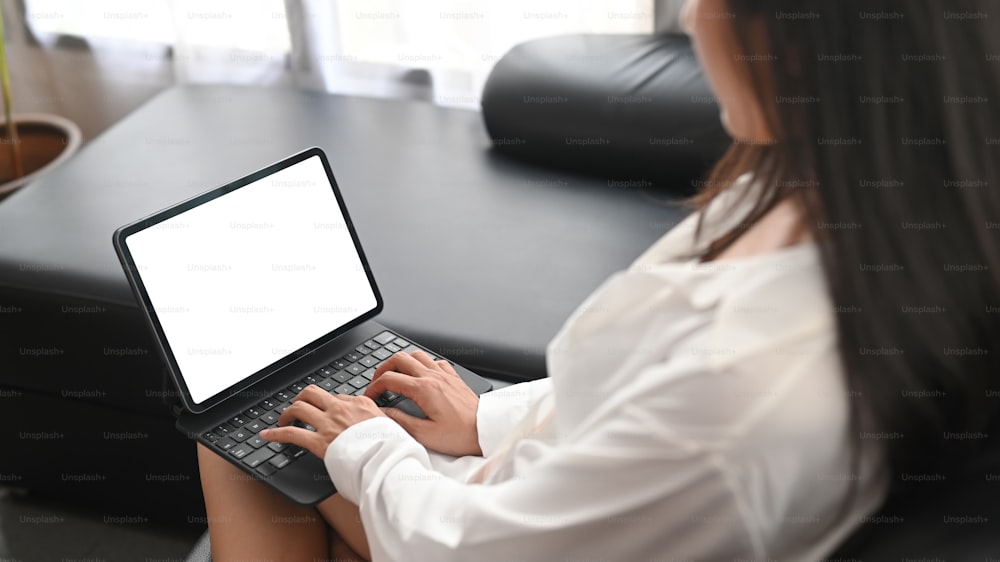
(760,379)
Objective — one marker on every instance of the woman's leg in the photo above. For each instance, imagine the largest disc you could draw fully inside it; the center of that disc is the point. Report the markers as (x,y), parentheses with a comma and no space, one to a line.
(343,517)
(249,521)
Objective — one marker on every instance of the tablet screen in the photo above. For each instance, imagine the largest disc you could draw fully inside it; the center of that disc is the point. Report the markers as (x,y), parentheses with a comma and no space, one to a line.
(244,279)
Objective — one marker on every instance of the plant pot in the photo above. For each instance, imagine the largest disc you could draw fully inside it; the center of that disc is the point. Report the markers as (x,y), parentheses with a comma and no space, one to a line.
(46,141)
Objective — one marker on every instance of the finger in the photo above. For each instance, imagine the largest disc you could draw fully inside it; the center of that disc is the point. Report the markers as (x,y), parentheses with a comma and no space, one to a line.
(287,434)
(314,395)
(294,435)
(413,425)
(302,411)
(363,397)
(396,382)
(447,367)
(401,363)
(424,358)
(351,397)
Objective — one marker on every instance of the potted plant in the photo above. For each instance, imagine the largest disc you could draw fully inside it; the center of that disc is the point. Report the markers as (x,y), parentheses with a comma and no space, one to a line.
(30,143)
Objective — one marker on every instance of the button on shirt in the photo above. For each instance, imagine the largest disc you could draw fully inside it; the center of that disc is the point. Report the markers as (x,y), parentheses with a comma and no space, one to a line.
(693,411)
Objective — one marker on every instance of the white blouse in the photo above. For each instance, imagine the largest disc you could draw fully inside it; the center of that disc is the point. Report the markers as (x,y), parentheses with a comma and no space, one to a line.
(693,411)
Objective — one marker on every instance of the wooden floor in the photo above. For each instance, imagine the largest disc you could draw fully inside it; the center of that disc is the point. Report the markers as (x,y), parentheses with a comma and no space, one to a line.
(94,90)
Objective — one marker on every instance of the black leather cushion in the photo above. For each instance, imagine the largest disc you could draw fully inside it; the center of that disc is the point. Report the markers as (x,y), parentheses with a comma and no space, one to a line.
(628,107)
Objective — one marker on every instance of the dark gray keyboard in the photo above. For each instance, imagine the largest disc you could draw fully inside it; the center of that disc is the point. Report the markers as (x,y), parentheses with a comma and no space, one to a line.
(349,374)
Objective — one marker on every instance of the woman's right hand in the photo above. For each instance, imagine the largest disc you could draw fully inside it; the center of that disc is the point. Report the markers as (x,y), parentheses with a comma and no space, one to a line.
(449,404)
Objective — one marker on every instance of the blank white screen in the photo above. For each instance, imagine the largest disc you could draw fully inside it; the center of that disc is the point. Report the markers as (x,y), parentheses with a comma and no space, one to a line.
(245,279)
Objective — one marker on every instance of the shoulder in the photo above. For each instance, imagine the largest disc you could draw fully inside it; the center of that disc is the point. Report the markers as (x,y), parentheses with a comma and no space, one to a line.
(765,356)
(767,302)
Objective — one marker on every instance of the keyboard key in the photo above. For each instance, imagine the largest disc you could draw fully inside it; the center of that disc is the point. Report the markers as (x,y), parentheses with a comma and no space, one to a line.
(223,430)
(381,354)
(284,396)
(241,450)
(391,348)
(324,373)
(253,412)
(352,357)
(277,447)
(268,404)
(327,384)
(339,364)
(400,342)
(368,361)
(293,451)
(384,337)
(304,425)
(369,373)
(355,369)
(342,376)
(256,441)
(269,418)
(238,421)
(279,461)
(358,382)
(266,469)
(363,349)
(344,389)
(310,379)
(296,388)
(240,434)
(386,398)
(281,409)
(359,392)
(225,443)
(411,348)
(210,437)
(254,426)
(254,459)
(372,345)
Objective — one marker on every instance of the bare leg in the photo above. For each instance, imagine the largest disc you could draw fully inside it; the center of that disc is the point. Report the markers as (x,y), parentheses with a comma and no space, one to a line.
(343,517)
(247,520)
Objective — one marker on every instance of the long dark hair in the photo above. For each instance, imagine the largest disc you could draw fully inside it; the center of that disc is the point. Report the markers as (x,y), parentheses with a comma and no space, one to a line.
(886,115)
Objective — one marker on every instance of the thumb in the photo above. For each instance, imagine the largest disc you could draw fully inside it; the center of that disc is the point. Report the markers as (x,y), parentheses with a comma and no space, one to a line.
(408,422)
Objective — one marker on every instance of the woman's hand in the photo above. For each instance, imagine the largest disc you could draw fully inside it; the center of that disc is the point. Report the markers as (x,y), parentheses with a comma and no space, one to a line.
(330,415)
(449,404)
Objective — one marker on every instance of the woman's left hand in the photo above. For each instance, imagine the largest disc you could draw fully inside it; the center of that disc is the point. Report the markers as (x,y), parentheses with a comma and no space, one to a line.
(329,414)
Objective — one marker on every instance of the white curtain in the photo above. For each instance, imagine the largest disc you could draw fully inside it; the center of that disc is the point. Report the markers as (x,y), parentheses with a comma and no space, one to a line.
(668,15)
(437,50)
(228,41)
(440,50)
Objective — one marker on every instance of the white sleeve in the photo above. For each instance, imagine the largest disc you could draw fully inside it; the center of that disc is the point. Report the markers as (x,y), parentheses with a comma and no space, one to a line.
(501,409)
(612,493)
